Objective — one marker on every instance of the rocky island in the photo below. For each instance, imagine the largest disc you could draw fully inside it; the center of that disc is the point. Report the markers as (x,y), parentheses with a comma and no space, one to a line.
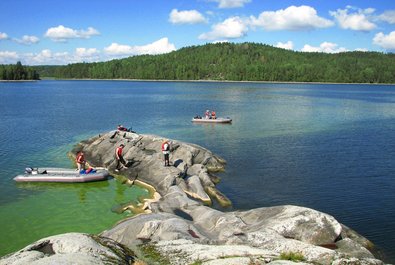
(178,226)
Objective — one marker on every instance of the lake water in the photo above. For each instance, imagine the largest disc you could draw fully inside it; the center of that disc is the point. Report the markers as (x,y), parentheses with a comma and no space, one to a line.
(328,147)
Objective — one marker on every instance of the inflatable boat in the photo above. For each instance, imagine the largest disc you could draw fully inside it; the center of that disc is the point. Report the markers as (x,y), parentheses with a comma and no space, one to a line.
(217,120)
(61,175)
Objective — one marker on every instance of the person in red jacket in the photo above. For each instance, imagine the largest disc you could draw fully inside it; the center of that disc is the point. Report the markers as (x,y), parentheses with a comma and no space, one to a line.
(80,160)
(119,157)
(213,115)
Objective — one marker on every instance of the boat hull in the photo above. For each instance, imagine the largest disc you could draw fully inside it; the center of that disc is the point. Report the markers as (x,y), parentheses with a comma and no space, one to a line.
(62,175)
(217,120)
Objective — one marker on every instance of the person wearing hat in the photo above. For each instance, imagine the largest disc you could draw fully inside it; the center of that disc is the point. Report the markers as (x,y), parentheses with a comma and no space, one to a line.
(166,152)
(119,157)
(207,114)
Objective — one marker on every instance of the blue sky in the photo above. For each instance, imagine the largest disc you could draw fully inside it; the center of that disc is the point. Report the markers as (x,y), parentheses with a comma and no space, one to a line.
(61,32)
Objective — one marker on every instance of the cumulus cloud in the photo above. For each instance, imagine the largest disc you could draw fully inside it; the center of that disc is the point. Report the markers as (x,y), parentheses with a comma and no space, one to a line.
(26,39)
(3,36)
(186,17)
(86,55)
(354,19)
(158,47)
(42,57)
(388,16)
(62,33)
(231,28)
(326,47)
(7,57)
(47,57)
(385,41)
(288,45)
(291,18)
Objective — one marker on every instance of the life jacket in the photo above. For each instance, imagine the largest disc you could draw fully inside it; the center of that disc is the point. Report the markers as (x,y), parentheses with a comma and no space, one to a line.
(165,146)
(80,158)
(118,151)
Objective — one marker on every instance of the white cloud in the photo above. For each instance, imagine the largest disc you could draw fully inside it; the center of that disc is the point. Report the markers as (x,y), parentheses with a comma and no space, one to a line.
(288,45)
(385,41)
(158,47)
(7,57)
(62,33)
(26,39)
(326,47)
(186,17)
(86,52)
(388,16)
(231,28)
(47,57)
(291,18)
(231,3)
(3,36)
(359,20)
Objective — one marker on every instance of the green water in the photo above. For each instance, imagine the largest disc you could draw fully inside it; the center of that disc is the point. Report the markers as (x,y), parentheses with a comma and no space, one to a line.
(55,208)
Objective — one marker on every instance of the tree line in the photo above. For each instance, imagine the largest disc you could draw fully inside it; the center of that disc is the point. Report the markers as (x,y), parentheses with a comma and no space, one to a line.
(238,62)
(18,72)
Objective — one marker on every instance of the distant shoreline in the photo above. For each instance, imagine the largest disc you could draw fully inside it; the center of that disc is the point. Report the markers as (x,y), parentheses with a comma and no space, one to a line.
(17,81)
(209,81)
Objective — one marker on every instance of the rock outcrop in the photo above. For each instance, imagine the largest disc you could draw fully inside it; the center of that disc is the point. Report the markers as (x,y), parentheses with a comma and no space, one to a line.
(180,227)
(72,248)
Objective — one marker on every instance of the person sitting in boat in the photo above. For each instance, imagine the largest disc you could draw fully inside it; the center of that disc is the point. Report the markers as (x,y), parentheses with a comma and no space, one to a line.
(213,115)
(207,114)
(90,170)
(80,161)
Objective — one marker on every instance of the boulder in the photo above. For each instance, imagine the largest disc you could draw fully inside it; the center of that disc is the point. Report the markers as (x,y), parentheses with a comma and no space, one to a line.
(145,161)
(72,248)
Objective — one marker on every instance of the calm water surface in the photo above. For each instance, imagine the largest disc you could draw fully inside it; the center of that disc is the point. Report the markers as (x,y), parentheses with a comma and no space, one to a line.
(328,147)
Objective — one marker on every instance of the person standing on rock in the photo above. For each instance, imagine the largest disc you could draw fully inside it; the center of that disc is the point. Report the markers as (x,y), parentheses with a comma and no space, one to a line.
(166,152)
(80,160)
(119,157)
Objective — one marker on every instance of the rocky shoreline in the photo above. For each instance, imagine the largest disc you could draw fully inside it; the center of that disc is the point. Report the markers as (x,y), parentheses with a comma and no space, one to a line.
(178,226)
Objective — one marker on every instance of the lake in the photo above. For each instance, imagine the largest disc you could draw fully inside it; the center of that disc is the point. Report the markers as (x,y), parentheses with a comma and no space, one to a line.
(324,146)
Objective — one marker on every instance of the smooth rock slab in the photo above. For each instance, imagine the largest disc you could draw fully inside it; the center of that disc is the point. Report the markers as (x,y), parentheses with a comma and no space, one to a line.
(71,248)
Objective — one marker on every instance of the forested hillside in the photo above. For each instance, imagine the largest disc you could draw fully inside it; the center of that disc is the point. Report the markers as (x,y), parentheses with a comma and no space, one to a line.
(239,62)
(18,72)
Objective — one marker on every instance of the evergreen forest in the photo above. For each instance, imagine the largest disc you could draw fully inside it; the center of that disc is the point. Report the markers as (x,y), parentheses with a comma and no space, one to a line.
(238,62)
(18,72)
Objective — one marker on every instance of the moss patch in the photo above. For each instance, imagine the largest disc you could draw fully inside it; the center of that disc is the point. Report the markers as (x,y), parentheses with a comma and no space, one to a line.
(152,256)
(292,256)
